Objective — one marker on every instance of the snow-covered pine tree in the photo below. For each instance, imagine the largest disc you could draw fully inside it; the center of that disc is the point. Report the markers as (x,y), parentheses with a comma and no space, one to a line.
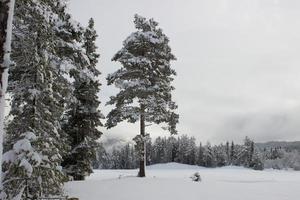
(38,89)
(125,158)
(275,153)
(171,149)
(159,150)
(144,82)
(168,150)
(227,151)
(245,155)
(200,155)
(257,161)
(232,154)
(220,155)
(103,159)
(70,56)
(33,132)
(83,117)
(182,142)
(192,151)
(209,156)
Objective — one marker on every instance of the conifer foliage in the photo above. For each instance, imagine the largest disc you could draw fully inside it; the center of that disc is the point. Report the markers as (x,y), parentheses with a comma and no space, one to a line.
(183,149)
(33,153)
(144,81)
(48,47)
(83,116)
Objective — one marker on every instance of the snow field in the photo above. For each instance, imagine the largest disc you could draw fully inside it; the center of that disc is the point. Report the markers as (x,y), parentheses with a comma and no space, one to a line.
(172,181)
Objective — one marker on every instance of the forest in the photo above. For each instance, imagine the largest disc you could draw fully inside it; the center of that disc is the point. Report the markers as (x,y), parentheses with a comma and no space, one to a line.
(52,120)
(184,149)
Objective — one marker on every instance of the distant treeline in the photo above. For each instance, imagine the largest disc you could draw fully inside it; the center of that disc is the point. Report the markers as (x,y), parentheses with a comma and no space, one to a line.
(183,149)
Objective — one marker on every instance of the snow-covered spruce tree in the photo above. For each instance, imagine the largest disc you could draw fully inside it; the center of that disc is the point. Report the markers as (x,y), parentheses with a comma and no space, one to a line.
(192,151)
(186,150)
(159,150)
(144,82)
(171,149)
(245,155)
(83,116)
(35,140)
(200,155)
(6,17)
(220,155)
(257,161)
(227,152)
(209,156)
(233,154)
(103,158)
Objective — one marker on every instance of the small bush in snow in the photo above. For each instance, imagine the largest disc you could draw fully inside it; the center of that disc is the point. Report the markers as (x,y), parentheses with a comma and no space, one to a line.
(196,177)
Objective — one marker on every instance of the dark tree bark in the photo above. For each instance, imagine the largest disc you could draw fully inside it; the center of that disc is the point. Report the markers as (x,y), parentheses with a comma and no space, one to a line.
(143,152)
(4,10)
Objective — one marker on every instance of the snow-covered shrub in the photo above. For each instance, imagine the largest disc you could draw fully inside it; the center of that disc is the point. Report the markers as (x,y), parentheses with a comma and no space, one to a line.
(196,177)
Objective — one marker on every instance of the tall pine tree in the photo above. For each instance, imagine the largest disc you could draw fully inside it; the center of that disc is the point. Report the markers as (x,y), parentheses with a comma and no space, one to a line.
(37,83)
(144,81)
(83,117)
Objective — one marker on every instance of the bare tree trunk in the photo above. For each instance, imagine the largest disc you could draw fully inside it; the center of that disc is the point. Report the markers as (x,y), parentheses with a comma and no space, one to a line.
(6,15)
(143,151)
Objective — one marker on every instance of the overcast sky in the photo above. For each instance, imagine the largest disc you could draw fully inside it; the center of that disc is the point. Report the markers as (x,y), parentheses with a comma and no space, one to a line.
(238,63)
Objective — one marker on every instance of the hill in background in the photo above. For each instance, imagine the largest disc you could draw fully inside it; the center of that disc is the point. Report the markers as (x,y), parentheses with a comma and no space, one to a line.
(290,146)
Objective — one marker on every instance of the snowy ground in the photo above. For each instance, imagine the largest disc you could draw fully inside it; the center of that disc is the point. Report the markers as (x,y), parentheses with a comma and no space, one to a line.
(171,182)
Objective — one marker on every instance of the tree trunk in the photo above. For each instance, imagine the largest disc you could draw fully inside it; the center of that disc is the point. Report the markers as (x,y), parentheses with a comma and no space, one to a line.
(143,152)
(6,15)
(4,9)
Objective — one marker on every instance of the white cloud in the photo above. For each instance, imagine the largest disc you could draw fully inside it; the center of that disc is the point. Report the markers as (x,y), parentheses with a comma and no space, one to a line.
(237,61)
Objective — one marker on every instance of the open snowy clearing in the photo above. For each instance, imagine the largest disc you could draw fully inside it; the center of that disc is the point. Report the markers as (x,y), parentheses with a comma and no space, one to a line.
(172,181)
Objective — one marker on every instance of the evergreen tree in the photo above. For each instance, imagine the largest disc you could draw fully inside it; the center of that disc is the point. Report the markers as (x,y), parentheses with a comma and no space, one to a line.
(209,157)
(171,149)
(232,153)
(192,150)
(220,155)
(83,116)
(103,158)
(159,150)
(144,82)
(246,153)
(44,50)
(275,153)
(257,161)
(183,149)
(227,151)
(121,158)
(200,156)
(115,159)
(35,142)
